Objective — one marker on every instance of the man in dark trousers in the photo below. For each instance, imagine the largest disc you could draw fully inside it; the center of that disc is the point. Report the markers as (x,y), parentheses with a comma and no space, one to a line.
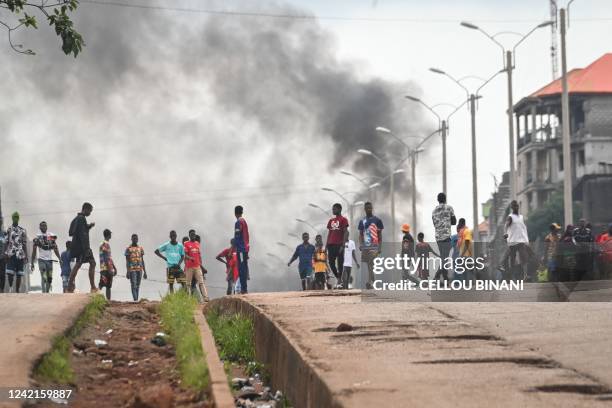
(336,238)
(241,239)
(443,217)
(80,248)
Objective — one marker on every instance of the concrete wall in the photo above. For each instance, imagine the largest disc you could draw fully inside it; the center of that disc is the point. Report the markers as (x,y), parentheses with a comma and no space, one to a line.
(290,371)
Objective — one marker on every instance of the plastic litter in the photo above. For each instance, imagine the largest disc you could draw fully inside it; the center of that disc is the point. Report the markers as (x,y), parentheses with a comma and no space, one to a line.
(100,343)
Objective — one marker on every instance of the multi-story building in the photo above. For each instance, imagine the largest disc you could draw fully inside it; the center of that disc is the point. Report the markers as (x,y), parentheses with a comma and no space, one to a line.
(539,156)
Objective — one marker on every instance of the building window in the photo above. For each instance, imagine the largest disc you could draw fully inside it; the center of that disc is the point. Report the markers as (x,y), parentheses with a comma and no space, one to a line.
(520,165)
(581,158)
(560,162)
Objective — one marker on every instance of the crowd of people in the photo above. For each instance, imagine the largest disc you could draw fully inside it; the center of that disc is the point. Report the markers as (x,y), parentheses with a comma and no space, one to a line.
(568,256)
(183,259)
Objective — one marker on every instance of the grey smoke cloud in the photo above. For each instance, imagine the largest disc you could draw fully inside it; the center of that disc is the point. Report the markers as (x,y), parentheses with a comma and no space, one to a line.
(166,121)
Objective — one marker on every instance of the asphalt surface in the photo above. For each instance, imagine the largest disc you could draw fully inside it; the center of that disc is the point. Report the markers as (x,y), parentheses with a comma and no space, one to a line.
(403,354)
(29,322)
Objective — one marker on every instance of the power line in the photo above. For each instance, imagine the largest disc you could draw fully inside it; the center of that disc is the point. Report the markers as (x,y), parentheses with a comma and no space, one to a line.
(229,13)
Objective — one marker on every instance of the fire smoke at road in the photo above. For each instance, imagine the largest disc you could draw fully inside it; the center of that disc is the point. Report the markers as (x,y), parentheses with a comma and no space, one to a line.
(167,120)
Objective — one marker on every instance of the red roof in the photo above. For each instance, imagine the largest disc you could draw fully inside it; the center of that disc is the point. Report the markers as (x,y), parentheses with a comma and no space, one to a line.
(596,78)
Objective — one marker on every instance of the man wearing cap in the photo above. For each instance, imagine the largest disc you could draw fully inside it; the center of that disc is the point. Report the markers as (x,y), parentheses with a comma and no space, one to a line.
(550,254)
(16,252)
(407,248)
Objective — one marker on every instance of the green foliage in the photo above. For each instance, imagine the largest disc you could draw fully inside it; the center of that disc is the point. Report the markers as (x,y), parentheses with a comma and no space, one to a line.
(539,220)
(176,312)
(234,335)
(54,367)
(57,14)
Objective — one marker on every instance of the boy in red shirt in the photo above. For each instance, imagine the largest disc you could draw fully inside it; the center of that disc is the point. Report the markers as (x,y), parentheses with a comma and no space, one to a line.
(193,264)
(336,238)
(229,257)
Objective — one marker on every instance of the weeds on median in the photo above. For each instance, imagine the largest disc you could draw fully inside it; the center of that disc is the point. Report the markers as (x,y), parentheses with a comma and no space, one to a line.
(54,366)
(234,336)
(176,312)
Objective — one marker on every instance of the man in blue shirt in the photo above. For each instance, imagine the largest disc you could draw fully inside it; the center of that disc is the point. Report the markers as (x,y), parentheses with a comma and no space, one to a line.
(305,252)
(173,253)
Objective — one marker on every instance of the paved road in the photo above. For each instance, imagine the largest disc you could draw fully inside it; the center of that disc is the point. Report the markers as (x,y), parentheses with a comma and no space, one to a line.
(28,323)
(403,354)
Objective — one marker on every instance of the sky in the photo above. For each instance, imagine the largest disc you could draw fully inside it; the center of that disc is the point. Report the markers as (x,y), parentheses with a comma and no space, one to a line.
(170,118)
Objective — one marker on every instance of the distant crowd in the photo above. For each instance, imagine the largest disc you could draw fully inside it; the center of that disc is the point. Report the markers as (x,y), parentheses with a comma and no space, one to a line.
(572,255)
(183,259)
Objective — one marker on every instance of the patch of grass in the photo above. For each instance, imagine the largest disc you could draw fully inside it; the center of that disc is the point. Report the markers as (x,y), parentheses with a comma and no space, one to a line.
(176,312)
(234,334)
(54,366)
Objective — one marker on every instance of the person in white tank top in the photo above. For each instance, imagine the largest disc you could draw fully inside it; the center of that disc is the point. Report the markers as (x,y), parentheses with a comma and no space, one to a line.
(518,241)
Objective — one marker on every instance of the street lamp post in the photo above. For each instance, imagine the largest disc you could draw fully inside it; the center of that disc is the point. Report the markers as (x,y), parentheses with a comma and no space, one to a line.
(443,127)
(471,97)
(568,211)
(324,211)
(413,154)
(509,56)
(348,203)
(362,180)
(391,174)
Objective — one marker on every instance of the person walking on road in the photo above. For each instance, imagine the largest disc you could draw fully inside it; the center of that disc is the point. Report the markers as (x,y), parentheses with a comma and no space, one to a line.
(193,264)
(135,266)
(370,241)
(465,245)
(518,240)
(229,258)
(65,259)
(2,257)
(45,243)
(305,253)
(443,217)
(81,248)
(336,237)
(107,267)
(422,251)
(551,242)
(349,257)
(173,253)
(241,237)
(321,267)
(407,250)
(16,253)
(583,237)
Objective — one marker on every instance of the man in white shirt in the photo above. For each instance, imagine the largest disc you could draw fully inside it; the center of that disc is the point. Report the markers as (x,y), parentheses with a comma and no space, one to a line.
(349,257)
(45,243)
(518,240)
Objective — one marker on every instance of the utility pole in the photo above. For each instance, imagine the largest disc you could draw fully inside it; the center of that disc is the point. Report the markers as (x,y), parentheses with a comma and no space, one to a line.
(565,118)
(443,130)
(474,168)
(392,203)
(414,191)
(512,145)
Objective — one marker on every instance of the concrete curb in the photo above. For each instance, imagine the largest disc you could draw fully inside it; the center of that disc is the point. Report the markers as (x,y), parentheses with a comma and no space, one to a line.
(284,359)
(219,388)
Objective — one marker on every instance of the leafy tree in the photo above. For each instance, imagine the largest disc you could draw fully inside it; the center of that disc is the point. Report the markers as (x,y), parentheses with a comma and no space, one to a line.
(57,14)
(539,220)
